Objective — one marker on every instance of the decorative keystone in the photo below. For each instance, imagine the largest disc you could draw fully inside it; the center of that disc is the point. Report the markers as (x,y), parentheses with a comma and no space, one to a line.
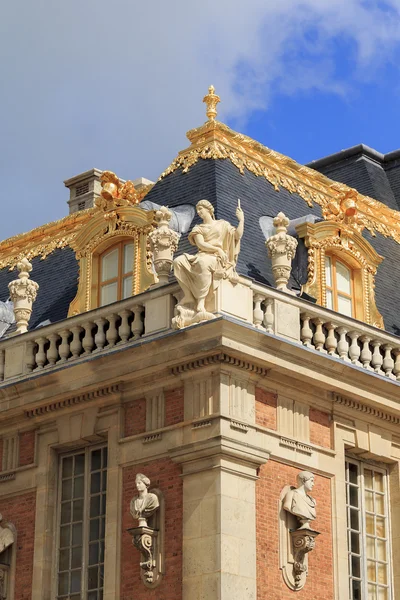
(23,293)
(163,243)
(281,249)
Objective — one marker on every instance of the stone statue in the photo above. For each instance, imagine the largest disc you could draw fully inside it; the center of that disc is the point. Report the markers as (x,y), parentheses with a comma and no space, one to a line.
(146,503)
(7,538)
(218,244)
(299,503)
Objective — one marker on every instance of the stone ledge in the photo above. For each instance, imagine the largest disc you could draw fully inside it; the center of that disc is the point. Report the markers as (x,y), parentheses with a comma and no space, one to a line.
(370,410)
(218,359)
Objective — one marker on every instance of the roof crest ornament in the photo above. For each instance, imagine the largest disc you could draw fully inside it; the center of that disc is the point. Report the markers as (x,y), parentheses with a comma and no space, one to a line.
(211,100)
(339,203)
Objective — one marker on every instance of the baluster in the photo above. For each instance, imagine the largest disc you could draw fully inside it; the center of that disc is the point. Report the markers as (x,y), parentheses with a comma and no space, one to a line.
(137,323)
(377,359)
(258,314)
(354,350)
(343,344)
(88,342)
(388,362)
(30,360)
(366,354)
(63,349)
(331,341)
(124,329)
(319,336)
(52,352)
(269,317)
(2,364)
(112,333)
(41,354)
(396,369)
(76,344)
(100,338)
(306,331)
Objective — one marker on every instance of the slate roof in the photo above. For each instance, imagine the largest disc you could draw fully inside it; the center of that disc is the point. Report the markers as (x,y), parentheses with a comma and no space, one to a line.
(370,172)
(57,277)
(221,183)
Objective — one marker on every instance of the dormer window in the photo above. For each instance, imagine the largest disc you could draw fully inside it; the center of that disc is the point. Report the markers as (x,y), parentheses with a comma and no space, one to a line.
(339,286)
(116,273)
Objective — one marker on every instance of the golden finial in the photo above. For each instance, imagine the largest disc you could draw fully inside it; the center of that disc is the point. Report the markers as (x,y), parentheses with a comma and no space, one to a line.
(211,101)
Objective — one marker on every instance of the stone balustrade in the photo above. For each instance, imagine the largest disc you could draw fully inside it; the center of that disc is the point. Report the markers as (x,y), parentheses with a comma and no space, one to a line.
(87,334)
(272,311)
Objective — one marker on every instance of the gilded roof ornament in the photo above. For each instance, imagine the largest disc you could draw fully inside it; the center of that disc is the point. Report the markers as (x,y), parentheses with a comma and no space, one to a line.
(216,141)
(211,100)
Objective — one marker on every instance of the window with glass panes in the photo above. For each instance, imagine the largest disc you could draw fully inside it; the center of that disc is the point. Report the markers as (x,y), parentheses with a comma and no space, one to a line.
(116,273)
(82,514)
(367,531)
(339,286)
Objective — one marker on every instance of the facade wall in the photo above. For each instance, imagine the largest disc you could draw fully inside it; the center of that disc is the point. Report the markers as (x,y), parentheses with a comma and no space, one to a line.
(266,403)
(27,448)
(274,476)
(166,476)
(174,406)
(320,428)
(20,510)
(135,417)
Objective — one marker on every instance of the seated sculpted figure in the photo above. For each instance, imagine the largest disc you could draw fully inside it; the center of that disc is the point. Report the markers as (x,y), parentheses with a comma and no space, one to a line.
(218,244)
(146,503)
(298,502)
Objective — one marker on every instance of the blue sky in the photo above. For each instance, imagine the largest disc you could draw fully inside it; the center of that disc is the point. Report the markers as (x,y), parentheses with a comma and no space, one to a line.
(90,83)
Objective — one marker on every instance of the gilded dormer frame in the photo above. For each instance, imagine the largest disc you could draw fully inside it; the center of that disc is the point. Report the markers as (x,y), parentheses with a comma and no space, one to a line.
(103,230)
(347,244)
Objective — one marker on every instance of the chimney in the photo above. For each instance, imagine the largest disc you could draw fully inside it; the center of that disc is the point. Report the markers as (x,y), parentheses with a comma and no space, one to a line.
(83,190)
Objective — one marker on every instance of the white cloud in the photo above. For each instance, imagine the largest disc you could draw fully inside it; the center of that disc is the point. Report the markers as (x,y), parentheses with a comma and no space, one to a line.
(116,84)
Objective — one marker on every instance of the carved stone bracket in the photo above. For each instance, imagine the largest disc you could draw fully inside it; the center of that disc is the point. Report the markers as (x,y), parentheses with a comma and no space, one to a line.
(145,540)
(303,541)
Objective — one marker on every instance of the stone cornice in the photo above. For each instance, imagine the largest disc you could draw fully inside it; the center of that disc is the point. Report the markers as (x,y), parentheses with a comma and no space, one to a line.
(369,410)
(218,359)
(50,407)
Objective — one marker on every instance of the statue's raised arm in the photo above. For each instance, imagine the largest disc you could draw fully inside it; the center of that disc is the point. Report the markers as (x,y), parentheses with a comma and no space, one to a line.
(198,275)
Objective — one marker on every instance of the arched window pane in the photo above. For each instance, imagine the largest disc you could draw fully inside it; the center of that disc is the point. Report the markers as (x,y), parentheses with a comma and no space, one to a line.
(328,272)
(344,306)
(127,287)
(109,265)
(109,293)
(329,299)
(343,278)
(128,258)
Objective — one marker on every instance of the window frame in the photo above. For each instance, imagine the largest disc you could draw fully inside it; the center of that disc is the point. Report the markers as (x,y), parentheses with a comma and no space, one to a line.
(120,246)
(334,289)
(362,466)
(87,451)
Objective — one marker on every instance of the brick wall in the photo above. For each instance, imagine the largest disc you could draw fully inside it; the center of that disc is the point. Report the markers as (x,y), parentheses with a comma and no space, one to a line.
(135,417)
(20,510)
(274,477)
(26,448)
(266,408)
(165,475)
(320,428)
(174,406)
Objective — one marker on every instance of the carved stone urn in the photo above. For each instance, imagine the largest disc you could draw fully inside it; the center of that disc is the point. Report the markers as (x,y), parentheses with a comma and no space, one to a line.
(23,293)
(281,249)
(163,242)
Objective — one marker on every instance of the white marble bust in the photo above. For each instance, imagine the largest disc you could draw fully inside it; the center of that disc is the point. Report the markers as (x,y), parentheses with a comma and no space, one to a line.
(299,503)
(146,503)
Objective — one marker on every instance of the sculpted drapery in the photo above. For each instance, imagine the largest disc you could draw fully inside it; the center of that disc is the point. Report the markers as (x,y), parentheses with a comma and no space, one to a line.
(218,243)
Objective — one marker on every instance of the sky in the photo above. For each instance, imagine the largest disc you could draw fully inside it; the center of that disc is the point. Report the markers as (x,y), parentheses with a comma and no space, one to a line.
(116,85)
